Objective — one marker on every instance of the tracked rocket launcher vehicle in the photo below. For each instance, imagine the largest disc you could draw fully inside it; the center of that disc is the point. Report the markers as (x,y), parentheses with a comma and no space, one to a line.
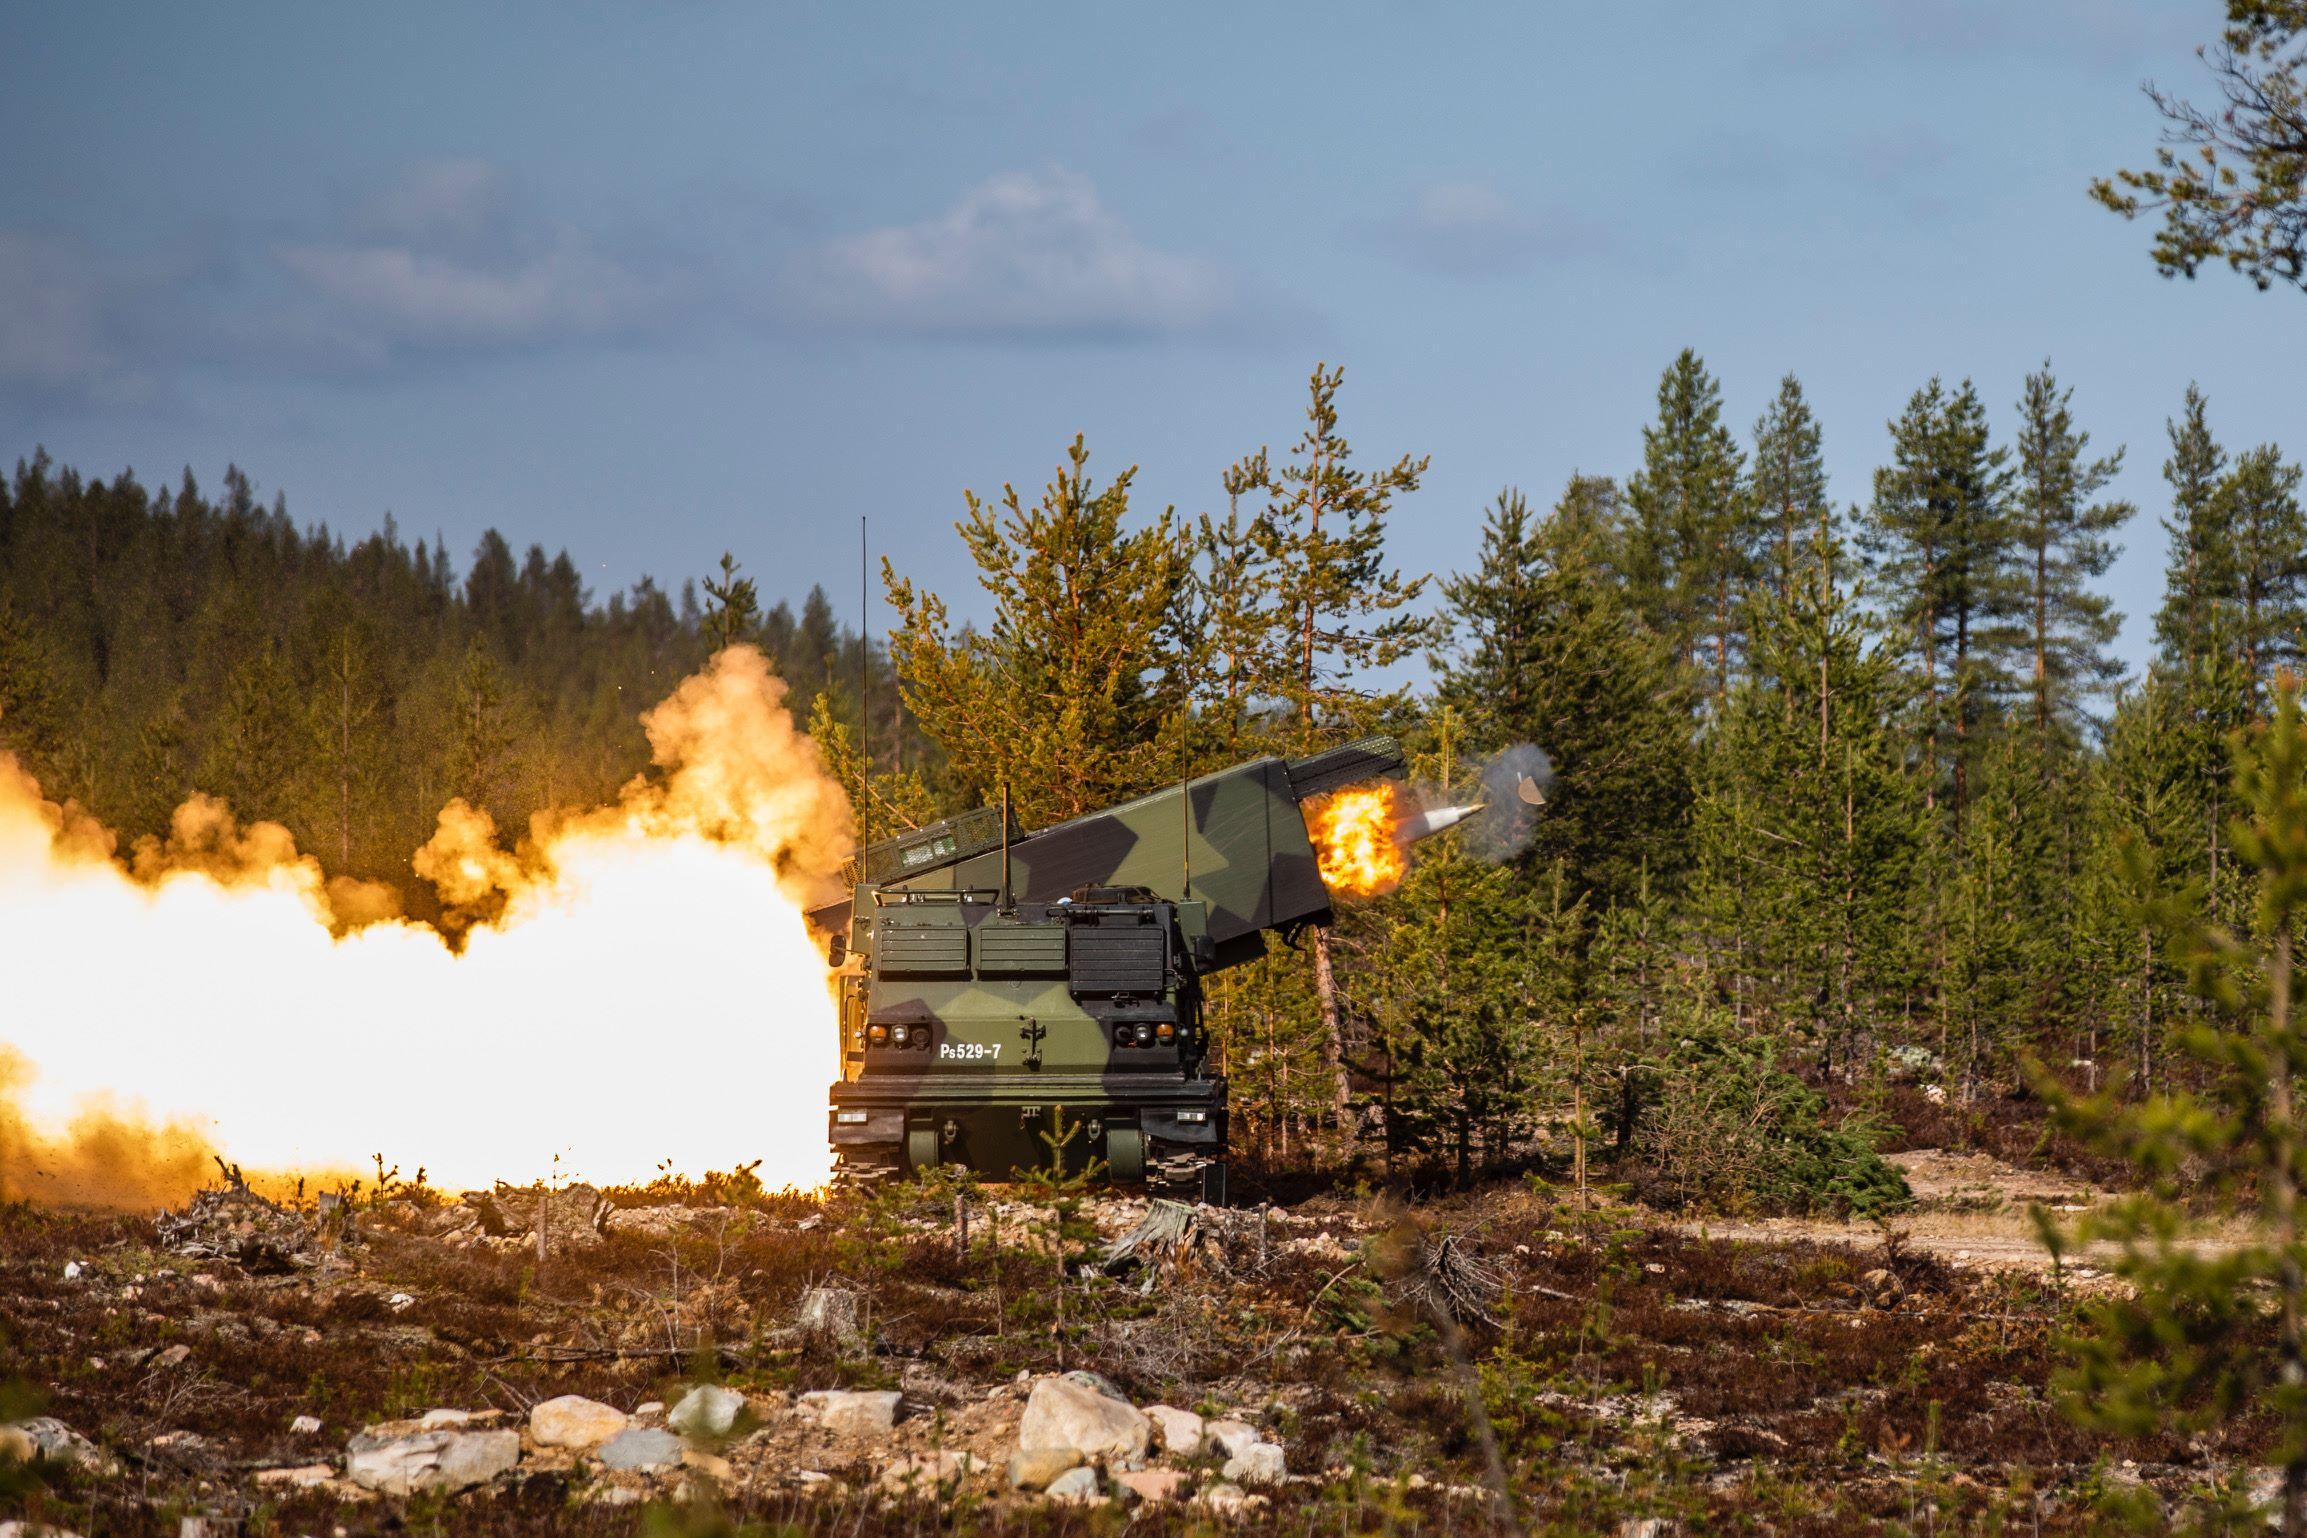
(996,985)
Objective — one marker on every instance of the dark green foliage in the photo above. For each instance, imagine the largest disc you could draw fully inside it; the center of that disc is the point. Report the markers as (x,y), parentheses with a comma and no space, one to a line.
(1729,1129)
(1695,541)
(2201,1338)
(1550,651)
(1938,540)
(157,644)
(2060,540)
(2230,181)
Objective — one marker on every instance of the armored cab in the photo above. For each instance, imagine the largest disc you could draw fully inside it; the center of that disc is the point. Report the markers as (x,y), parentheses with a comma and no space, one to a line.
(1009,997)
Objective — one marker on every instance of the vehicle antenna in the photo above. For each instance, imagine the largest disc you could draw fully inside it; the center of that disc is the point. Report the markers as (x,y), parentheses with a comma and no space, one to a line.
(1004,904)
(864,698)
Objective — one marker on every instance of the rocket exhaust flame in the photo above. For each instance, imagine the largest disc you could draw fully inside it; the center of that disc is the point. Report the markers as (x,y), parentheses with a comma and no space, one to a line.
(1362,837)
(639,988)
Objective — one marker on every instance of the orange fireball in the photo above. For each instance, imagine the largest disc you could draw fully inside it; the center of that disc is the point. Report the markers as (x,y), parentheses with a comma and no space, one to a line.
(1355,842)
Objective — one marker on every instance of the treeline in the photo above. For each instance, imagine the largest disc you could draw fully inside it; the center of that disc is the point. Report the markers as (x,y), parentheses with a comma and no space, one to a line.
(158,643)
(1842,791)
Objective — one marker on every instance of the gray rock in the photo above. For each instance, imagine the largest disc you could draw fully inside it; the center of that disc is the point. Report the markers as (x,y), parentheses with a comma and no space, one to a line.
(1078,1486)
(1260,1463)
(706,1411)
(17,1528)
(1033,1469)
(1083,1413)
(852,1412)
(641,1447)
(1646,1527)
(404,1463)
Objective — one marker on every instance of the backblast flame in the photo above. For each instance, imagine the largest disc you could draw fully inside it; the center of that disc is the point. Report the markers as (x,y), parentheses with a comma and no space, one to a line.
(1356,842)
(636,991)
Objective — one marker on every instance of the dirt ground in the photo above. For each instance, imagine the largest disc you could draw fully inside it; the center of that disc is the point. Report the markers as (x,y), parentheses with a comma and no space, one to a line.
(1614,1369)
(1971,1210)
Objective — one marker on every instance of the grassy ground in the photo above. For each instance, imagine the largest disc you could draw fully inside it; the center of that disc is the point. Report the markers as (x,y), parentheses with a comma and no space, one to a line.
(1768,1382)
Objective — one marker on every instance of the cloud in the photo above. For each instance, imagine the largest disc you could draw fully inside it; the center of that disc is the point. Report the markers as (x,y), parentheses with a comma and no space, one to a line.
(1023,256)
(447,259)
(1469,229)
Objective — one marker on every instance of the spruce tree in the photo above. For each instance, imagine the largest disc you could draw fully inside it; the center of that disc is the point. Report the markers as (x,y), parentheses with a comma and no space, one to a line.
(2198,576)
(736,612)
(2267,533)
(1548,650)
(1696,540)
(2059,537)
(1789,488)
(1810,821)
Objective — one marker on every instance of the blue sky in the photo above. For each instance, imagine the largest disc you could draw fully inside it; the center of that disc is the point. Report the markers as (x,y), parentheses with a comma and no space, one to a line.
(653,281)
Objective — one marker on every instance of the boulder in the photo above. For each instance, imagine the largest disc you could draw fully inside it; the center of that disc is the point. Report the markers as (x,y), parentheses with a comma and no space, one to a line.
(1082,1412)
(852,1412)
(641,1447)
(304,1426)
(1260,1463)
(1077,1486)
(574,1422)
(1228,1437)
(1179,1432)
(1156,1485)
(17,1528)
(1033,1470)
(395,1462)
(706,1411)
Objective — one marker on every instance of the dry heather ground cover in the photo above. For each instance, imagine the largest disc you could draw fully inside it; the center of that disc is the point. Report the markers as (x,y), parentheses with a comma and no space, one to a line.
(1630,1371)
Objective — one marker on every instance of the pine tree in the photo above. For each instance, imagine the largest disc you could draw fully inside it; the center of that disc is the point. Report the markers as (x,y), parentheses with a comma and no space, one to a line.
(1937,539)
(1062,698)
(2059,536)
(2186,1344)
(1549,651)
(1234,592)
(1344,606)
(1696,541)
(1789,488)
